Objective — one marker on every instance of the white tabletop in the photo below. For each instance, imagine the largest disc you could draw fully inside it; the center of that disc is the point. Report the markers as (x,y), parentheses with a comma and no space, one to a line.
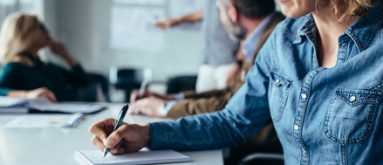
(56,146)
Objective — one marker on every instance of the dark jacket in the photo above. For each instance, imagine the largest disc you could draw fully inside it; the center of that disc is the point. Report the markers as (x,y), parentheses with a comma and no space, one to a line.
(62,82)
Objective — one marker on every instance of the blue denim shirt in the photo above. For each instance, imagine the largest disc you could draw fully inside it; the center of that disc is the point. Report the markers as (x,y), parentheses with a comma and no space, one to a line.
(322,116)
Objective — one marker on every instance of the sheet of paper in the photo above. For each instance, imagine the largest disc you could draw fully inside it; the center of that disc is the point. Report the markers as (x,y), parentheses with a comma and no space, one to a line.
(44,121)
(7,102)
(68,107)
(95,157)
(133,28)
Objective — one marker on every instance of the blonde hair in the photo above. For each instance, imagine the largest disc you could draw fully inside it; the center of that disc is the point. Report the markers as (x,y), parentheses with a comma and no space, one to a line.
(18,33)
(344,9)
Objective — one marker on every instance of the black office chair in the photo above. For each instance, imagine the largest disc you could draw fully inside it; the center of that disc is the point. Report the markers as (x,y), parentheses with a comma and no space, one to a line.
(179,84)
(129,79)
(101,82)
(263,158)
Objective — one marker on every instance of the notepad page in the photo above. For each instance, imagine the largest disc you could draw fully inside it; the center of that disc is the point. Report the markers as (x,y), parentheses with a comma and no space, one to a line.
(69,107)
(95,157)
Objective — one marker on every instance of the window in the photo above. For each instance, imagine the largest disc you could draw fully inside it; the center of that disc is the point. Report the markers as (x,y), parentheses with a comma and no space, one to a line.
(10,6)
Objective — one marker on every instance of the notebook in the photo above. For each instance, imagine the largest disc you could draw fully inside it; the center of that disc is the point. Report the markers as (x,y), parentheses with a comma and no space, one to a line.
(45,121)
(17,105)
(95,157)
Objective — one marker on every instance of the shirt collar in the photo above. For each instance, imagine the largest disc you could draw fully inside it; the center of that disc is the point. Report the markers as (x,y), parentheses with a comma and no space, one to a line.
(252,40)
(360,32)
(364,29)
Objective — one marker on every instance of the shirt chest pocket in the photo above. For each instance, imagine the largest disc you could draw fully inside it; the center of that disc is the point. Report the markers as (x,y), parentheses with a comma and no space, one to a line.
(278,95)
(351,116)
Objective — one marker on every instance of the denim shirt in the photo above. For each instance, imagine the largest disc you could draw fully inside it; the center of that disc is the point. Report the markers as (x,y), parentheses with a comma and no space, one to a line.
(321,115)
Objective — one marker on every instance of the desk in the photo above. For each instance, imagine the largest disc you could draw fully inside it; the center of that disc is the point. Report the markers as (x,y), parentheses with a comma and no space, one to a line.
(56,146)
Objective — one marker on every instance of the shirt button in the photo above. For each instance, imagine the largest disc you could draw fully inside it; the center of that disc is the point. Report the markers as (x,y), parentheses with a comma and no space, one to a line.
(304,96)
(296,127)
(352,98)
(304,151)
(277,81)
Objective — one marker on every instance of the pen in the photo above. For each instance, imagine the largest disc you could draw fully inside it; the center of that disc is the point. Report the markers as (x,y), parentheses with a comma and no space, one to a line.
(118,122)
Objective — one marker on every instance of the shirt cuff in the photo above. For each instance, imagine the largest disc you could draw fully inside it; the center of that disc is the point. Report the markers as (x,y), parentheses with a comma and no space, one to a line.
(159,138)
(167,107)
(179,96)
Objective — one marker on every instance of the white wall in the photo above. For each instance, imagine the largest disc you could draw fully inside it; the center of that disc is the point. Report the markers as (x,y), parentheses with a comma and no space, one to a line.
(83,25)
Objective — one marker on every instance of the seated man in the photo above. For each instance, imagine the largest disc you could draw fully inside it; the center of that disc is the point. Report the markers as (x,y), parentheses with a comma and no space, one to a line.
(257,25)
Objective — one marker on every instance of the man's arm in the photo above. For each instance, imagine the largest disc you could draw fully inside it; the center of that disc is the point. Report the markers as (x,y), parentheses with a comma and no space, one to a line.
(192,17)
(246,114)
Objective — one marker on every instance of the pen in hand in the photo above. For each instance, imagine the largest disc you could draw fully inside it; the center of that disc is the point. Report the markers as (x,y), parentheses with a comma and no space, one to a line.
(117,123)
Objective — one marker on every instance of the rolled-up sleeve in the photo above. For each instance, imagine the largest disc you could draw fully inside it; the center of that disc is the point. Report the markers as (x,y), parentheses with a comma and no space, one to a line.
(245,114)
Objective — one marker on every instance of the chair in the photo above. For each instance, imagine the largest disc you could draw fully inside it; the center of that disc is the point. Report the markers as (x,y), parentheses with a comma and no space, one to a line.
(129,79)
(263,158)
(179,84)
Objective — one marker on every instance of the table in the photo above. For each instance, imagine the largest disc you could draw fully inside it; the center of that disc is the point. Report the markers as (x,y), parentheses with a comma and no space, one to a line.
(56,146)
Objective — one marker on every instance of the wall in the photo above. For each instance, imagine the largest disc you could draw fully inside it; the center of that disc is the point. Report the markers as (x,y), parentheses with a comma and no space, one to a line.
(83,25)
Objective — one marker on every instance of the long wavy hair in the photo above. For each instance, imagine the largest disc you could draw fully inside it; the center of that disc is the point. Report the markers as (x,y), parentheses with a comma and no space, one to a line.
(18,34)
(345,9)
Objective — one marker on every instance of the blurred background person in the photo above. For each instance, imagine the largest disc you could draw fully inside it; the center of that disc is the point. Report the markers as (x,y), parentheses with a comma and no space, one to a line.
(219,49)
(22,37)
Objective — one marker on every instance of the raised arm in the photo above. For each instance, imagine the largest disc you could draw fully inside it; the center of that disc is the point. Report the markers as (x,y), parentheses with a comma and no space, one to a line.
(192,17)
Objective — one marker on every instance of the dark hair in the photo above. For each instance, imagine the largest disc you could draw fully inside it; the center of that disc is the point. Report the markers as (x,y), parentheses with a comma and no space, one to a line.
(254,8)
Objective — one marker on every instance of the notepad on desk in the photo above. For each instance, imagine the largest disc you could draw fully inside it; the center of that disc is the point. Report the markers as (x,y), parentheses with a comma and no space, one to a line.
(17,105)
(45,121)
(95,157)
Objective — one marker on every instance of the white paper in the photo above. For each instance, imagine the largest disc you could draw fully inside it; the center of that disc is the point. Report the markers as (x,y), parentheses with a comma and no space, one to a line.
(95,157)
(44,121)
(67,107)
(6,102)
(133,28)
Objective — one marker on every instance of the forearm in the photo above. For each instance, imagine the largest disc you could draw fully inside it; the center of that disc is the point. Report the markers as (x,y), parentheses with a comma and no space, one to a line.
(70,60)
(198,106)
(192,17)
(207,94)
(232,126)
(16,93)
(193,133)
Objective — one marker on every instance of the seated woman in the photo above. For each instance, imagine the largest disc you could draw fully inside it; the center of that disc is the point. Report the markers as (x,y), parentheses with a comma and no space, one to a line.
(21,37)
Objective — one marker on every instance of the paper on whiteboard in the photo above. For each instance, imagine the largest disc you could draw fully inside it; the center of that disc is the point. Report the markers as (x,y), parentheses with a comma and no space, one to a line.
(133,28)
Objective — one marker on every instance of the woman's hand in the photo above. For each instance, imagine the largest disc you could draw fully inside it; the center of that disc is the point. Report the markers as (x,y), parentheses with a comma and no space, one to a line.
(33,94)
(127,138)
(41,93)
(60,50)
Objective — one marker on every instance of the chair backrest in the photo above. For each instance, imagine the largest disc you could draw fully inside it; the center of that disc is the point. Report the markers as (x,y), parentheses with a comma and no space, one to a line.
(181,83)
(123,78)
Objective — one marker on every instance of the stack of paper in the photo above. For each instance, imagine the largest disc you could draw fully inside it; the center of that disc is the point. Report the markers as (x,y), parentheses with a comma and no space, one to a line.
(16,105)
(95,157)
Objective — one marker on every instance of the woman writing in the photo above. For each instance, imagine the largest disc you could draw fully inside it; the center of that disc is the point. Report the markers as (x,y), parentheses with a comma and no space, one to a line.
(319,78)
